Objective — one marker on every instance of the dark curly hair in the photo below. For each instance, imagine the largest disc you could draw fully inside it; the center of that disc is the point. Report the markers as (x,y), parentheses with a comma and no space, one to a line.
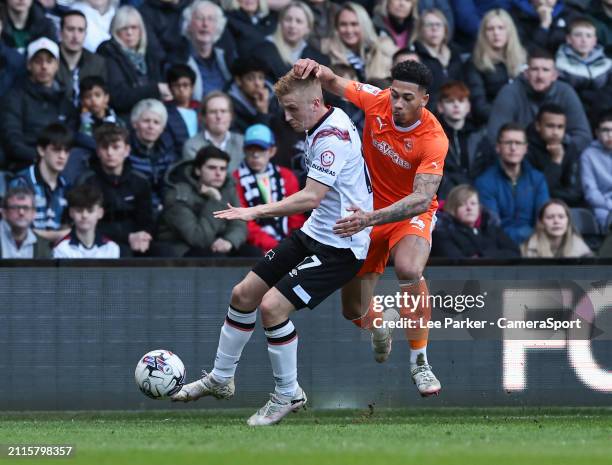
(412,71)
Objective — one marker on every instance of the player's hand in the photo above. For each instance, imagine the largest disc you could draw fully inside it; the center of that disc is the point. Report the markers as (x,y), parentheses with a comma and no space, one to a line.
(305,66)
(221,246)
(236,213)
(350,225)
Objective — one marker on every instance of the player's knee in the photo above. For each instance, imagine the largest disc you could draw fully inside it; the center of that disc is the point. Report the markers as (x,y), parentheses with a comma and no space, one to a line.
(408,270)
(270,310)
(242,298)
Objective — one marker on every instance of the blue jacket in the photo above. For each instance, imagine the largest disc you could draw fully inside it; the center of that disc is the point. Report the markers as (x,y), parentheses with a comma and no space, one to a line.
(468,13)
(517,207)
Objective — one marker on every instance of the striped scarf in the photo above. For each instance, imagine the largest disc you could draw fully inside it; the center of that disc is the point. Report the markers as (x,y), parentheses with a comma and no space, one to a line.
(267,187)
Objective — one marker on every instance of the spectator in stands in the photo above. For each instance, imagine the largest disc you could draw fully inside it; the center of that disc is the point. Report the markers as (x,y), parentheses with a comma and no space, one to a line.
(12,66)
(197,189)
(324,12)
(354,42)
(134,68)
(512,189)
(99,14)
(469,152)
(596,171)
(95,108)
(39,101)
(467,230)
(260,181)
(85,207)
(128,212)
(183,110)
(24,21)
(75,62)
(397,19)
(206,54)
(289,42)
(44,179)
(469,14)
(252,95)
(152,151)
(520,100)
(164,19)
(550,153)
(95,111)
(435,51)
(601,14)
(249,22)
(555,236)
(217,115)
(405,54)
(542,23)
(17,238)
(584,65)
(497,59)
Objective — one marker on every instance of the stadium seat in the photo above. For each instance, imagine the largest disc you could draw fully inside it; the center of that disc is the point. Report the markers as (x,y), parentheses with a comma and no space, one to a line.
(586,224)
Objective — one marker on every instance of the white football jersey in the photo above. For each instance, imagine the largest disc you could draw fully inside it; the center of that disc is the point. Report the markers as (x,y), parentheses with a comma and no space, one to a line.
(334,158)
(71,247)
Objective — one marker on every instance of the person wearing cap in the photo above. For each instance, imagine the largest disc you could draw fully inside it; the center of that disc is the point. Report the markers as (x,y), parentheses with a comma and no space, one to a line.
(252,95)
(259,181)
(40,101)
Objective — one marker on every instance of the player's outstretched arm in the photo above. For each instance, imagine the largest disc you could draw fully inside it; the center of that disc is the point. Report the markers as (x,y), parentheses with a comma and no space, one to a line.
(425,187)
(330,81)
(302,201)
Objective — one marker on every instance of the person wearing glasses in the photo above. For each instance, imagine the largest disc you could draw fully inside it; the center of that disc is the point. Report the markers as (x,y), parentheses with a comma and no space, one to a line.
(512,189)
(17,238)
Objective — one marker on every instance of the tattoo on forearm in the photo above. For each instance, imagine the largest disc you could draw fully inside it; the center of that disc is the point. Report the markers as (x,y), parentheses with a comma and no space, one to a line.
(425,187)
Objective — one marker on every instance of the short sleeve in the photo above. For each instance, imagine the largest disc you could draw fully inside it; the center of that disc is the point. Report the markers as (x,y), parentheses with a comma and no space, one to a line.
(364,96)
(330,151)
(434,153)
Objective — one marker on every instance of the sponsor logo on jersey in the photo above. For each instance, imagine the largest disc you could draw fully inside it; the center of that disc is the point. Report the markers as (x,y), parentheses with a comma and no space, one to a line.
(327,158)
(418,222)
(368,88)
(388,151)
(323,170)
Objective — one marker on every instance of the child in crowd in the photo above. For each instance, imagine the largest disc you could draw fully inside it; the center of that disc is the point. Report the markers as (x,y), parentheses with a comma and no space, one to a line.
(95,109)
(259,181)
(583,64)
(44,179)
(85,207)
(183,110)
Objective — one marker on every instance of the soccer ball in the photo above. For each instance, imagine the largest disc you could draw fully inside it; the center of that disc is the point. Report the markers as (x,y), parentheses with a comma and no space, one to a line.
(160,374)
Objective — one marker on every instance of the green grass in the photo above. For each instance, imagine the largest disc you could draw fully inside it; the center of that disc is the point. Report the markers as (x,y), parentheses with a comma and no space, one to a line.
(498,436)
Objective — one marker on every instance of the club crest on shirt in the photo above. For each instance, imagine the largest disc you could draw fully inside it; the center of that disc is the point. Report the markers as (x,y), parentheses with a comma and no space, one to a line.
(408,144)
(327,158)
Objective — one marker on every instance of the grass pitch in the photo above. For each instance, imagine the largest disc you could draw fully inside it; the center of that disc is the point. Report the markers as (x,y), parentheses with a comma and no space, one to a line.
(492,436)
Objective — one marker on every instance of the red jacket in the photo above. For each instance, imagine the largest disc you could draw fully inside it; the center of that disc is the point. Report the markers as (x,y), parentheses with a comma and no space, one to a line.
(255,235)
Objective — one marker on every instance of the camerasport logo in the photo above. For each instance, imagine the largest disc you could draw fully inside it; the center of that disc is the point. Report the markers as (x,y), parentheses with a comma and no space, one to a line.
(327,158)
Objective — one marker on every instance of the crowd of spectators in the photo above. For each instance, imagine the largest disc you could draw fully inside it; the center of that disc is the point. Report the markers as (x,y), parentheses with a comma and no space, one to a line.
(125,123)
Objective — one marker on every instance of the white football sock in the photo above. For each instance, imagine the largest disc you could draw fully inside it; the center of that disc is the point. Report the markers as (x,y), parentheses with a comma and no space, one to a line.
(235,333)
(282,349)
(415,360)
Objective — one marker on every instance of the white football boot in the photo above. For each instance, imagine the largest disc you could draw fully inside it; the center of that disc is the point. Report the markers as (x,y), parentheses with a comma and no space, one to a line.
(277,407)
(424,379)
(382,338)
(205,386)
